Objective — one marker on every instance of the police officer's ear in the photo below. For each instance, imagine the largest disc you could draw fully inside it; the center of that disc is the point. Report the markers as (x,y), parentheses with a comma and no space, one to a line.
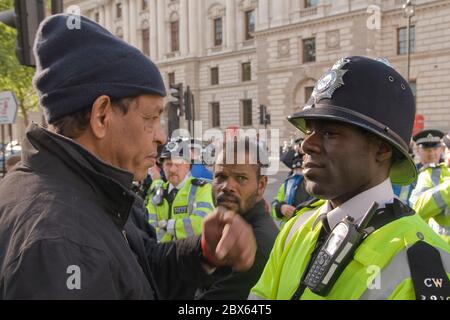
(384,152)
(101,112)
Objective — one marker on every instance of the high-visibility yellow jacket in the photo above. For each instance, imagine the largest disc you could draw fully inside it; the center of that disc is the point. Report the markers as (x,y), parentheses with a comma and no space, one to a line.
(429,177)
(381,254)
(434,207)
(185,216)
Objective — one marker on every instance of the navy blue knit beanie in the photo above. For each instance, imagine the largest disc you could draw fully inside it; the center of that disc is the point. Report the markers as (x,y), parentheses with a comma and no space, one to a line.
(76,66)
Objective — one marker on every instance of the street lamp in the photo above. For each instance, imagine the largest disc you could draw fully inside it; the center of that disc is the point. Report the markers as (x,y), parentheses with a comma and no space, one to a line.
(409,10)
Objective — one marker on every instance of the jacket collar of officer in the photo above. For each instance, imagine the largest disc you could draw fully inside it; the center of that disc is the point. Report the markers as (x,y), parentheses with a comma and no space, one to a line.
(181,184)
(357,206)
(54,154)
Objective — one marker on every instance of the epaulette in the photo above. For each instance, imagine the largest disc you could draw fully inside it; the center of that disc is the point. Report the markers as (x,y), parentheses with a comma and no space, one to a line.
(200,181)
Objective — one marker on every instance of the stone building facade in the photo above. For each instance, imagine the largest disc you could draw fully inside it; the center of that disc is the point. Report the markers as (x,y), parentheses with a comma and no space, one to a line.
(238,54)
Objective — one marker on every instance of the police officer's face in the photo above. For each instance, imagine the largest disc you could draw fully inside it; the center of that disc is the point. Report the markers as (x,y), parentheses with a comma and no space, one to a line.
(175,170)
(340,161)
(429,154)
(237,187)
(129,141)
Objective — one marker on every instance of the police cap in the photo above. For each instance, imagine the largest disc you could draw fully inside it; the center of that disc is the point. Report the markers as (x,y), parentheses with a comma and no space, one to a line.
(371,95)
(429,138)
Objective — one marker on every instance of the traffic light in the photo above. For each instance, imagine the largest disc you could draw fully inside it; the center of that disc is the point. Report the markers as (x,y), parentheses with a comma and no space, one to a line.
(29,15)
(188,103)
(26,17)
(178,94)
(264,117)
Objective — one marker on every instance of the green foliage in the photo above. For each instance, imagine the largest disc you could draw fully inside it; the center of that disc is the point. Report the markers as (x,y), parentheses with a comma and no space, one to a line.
(14,76)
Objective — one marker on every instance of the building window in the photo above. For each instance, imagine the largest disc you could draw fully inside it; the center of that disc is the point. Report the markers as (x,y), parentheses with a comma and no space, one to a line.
(246,71)
(145,4)
(311,3)
(118,10)
(171,77)
(402,36)
(174,32)
(309,50)
(308,93)
(247,112)
(146,42)
(214,76)
(249,24)
(218,32)
(215,111)
(97,17)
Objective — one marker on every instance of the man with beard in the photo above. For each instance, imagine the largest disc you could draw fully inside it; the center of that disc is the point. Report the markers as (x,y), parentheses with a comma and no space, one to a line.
(357,126)
(239,186)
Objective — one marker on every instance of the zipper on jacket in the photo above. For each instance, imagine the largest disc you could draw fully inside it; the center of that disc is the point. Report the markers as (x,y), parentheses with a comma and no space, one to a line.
(124,233)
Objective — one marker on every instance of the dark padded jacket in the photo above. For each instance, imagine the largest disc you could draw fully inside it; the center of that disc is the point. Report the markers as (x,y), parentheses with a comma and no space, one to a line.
(70,228)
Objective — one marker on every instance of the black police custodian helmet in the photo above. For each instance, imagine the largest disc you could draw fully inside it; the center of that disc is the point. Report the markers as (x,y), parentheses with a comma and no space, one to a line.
(172,148)
(371,95)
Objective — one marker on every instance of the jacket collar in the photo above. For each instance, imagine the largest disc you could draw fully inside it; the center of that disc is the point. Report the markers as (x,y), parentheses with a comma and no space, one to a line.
(54,154)
(258,209)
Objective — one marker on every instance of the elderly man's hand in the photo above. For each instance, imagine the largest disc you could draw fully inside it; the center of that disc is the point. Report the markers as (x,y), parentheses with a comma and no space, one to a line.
(228,240)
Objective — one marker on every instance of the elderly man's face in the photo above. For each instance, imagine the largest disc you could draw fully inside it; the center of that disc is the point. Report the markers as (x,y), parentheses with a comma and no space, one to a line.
(134,137)
(429,154)
(339,161)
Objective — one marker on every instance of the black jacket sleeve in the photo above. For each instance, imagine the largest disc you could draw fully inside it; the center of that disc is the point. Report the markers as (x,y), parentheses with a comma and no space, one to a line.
(58,269)
(175,268)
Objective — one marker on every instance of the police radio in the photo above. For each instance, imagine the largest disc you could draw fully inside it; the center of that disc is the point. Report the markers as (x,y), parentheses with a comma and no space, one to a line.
(337,252)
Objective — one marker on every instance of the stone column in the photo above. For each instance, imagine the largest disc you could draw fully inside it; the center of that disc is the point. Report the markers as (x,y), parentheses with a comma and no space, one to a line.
(162,32)
(279,16)
(263,15)
(132,13)
(193,27)
(231,23)
(183,27)
(153,33)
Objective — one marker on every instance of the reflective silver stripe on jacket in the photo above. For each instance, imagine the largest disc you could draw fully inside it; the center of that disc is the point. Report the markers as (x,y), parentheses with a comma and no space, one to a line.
(301,220)
(437,197)
(435,176)
(187,223)
(441,230)
(253,296)
(199,213)
(204,205)
(152,219)
(191,198)
(395,273)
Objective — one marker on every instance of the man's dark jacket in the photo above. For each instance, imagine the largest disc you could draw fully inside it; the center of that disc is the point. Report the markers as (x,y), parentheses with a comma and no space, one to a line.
(237,285)
(70,228)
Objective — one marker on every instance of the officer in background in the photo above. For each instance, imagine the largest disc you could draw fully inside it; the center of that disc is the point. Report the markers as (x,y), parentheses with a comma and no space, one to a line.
(358,124)
(429,147)
(433,172)
(434,204)
(292,192)
(177,207)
